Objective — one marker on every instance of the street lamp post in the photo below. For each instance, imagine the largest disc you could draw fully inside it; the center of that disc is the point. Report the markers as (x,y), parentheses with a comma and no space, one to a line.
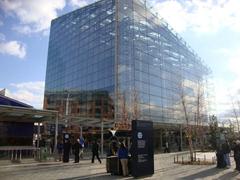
(181,138)
(67,110)
(102,137)
(56,137)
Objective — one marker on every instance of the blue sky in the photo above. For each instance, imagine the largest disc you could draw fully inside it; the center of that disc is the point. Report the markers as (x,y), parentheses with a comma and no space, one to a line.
(210,27)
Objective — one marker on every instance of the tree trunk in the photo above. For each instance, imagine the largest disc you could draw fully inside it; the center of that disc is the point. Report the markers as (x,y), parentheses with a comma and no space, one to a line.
(188,130)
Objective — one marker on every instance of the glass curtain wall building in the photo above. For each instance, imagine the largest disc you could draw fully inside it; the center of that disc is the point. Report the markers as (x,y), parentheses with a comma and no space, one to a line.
(80,68)
(155,65)
(116,60)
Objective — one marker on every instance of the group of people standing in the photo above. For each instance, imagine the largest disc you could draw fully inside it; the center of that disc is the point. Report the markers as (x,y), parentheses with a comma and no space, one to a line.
(116,148)
(64,149)
(223,155)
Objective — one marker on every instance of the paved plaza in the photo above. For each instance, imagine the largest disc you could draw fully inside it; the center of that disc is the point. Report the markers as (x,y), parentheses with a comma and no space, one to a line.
(164,169)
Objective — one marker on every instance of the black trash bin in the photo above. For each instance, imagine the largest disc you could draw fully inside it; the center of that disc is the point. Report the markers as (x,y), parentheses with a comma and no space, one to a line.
(113,165)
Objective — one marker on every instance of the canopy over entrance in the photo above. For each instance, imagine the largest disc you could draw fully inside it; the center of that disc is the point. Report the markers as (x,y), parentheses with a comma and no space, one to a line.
(24,114)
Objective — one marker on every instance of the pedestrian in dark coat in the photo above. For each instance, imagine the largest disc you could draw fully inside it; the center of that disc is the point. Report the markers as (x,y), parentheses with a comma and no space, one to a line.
(95,148)
(226,153)
(66,150)
(220,158)
(76,147)
(236,150)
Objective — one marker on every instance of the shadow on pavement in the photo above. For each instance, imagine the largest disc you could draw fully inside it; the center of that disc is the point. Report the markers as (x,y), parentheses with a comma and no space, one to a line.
(203,174)
(97,176)
(228,176)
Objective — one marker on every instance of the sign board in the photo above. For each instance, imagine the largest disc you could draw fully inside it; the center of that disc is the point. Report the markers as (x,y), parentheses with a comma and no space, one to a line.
(66,137)
(142,148)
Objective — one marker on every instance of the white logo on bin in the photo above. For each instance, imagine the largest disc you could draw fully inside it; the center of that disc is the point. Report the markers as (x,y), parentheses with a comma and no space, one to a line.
(139,135)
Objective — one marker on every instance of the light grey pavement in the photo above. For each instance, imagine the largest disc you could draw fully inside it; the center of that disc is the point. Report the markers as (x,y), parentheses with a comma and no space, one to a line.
(164,169)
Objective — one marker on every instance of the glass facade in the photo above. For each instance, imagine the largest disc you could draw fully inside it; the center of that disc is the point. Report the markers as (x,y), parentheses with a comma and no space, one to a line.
(156,69)
(115,59)
(80,66)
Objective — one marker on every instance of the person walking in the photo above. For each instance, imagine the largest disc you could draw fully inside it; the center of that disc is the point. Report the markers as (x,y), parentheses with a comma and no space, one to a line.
(95,148)
(123,156)
(76,147)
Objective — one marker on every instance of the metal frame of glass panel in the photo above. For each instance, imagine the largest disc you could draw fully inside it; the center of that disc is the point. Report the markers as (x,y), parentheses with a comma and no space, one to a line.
(115,50)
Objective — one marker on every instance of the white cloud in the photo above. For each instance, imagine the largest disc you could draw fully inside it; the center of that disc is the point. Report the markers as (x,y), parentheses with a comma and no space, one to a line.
(200,16)
(227,90)
(222,95)
(13,48)
(33,86)
(34,16)
(78,3)
(172,11)
(28,92)
(223,51)
(234,63)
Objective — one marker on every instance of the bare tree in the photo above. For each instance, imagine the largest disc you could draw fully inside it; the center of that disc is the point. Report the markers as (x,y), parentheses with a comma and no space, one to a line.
(193,105)
(129,110)
(135,105)
(236,111)
(200,111)
(123,121)
(188,128)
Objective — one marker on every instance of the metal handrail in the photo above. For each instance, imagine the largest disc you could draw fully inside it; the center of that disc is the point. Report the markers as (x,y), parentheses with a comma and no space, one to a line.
(16,151)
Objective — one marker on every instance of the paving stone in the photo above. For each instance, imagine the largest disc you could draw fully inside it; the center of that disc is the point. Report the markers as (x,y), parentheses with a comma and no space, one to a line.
(164,169)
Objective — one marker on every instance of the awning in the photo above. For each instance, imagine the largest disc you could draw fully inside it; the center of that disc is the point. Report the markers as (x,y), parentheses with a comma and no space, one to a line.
(91,122)
(23,114)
